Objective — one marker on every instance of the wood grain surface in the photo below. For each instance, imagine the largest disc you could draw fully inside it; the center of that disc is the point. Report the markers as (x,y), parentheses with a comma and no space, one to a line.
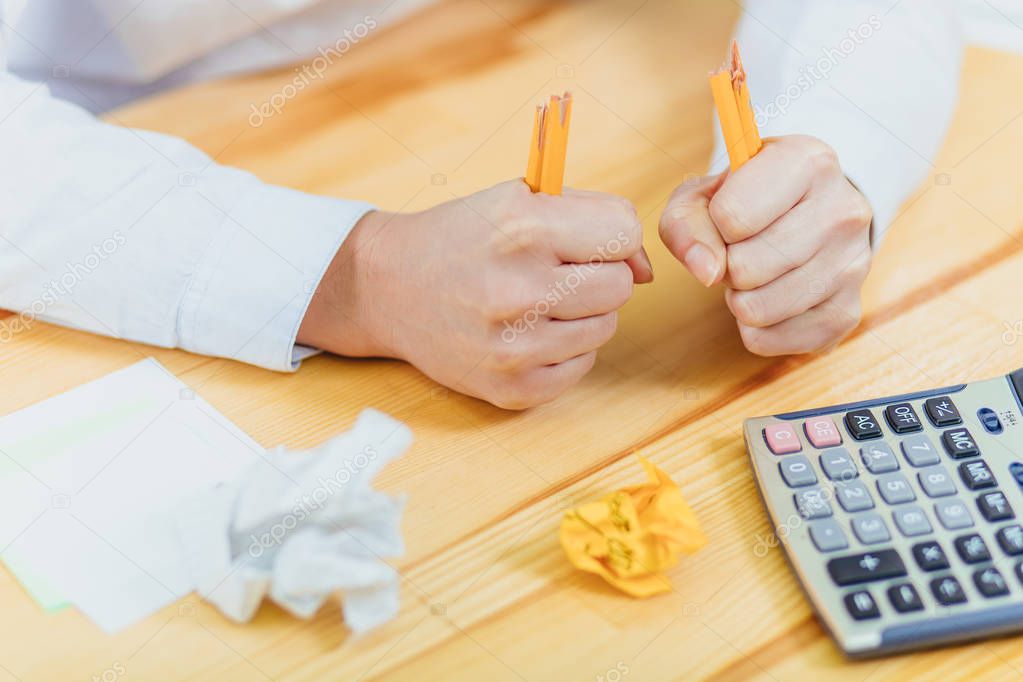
(438,106)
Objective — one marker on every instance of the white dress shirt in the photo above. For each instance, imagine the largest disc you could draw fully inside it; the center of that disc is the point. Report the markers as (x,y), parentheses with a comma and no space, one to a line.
(139,235)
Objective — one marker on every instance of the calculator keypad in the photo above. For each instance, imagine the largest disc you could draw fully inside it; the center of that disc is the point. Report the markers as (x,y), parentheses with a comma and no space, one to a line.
(904,480)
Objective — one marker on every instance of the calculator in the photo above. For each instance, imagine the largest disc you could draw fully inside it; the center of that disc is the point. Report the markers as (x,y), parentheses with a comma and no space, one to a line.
(899,515)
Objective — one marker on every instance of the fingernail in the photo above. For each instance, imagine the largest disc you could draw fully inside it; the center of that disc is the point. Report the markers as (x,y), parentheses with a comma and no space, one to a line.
(701,262)
(645,260)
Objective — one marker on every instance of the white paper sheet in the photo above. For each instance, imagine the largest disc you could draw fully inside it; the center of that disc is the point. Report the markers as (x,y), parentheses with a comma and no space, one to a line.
(88,481)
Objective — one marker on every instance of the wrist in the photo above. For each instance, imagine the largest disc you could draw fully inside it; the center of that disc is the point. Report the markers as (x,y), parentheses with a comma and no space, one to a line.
(342,317)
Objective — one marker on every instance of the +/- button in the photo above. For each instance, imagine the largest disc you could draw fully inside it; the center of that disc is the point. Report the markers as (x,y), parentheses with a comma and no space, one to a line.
(942,411)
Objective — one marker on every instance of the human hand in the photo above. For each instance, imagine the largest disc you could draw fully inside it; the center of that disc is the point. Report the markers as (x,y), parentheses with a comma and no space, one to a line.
(789,236)
(504,295)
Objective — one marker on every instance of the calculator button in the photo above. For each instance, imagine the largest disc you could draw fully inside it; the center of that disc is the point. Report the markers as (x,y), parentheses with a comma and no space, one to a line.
(895,489)
(948,591)
(936,481)
(911,521)
(953,514)
(905,598)
(861,605)
(811,504)
(879,458)
(797,471)
(920,451)
(930,556)
(838,465)
(902,418)
(994,507)
(977,475)
(959,443)
(854,496)
(782,439)
(1011,540)
(942,411)
(827,535)
(870,529)
(862,568)
(972,548)
(822,432)
(862,425)
(990,582)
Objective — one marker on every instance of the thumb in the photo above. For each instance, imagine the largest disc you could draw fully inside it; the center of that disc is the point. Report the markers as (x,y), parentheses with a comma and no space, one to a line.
(689,233)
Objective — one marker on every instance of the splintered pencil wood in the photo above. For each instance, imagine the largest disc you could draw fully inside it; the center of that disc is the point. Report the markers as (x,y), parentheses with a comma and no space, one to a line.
(735,112)
(546,168)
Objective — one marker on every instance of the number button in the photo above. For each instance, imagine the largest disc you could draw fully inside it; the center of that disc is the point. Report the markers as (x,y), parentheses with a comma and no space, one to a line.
(930,556)
(861,605)
(1011,540)
(782,439)
(854,496)
(895,489)
(911,521)
(942,411)
(879,458)
(990,582)
(948,591)
(797,471)
(920,451)
(827,535)
(870,529)
(862,425)
(902,418)
(972,549)
(959,443)
(811,504)
(977,475)
(936,482)
(994,507)
(838,465)
(905,598)
(822,432)
(953,514)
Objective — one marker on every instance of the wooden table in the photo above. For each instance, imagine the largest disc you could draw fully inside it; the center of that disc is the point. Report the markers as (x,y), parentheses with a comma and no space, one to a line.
(440,105)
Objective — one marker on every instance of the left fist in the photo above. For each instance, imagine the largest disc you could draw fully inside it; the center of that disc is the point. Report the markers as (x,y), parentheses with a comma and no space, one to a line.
(789,236)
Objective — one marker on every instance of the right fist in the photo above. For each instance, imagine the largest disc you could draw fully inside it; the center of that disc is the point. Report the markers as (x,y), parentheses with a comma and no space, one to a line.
(504,295)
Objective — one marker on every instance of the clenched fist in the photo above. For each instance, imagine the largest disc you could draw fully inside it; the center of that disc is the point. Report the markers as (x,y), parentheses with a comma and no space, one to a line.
(505,295)
(789,236)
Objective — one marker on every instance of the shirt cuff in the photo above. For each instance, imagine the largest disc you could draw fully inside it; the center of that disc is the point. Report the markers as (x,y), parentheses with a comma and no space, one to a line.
(253,285)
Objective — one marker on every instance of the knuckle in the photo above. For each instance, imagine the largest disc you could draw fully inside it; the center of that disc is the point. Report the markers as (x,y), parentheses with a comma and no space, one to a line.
(605,327)
(755,340)
(620,285)
(747,308)
(740,267)
(506,357)
(726,211)
(821,157)
(676,217)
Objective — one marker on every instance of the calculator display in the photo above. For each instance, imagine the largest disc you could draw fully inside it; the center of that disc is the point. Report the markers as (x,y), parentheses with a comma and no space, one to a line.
(899,515)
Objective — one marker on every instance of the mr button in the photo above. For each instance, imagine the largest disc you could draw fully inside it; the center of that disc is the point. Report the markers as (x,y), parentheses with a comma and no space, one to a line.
(862,425)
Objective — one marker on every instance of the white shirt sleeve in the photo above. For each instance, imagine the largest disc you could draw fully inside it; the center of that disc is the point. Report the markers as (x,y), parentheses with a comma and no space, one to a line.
(140,236)
(874,79)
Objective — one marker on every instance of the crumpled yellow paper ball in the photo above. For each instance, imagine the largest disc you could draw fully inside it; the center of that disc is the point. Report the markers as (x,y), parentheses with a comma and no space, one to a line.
(632,535)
